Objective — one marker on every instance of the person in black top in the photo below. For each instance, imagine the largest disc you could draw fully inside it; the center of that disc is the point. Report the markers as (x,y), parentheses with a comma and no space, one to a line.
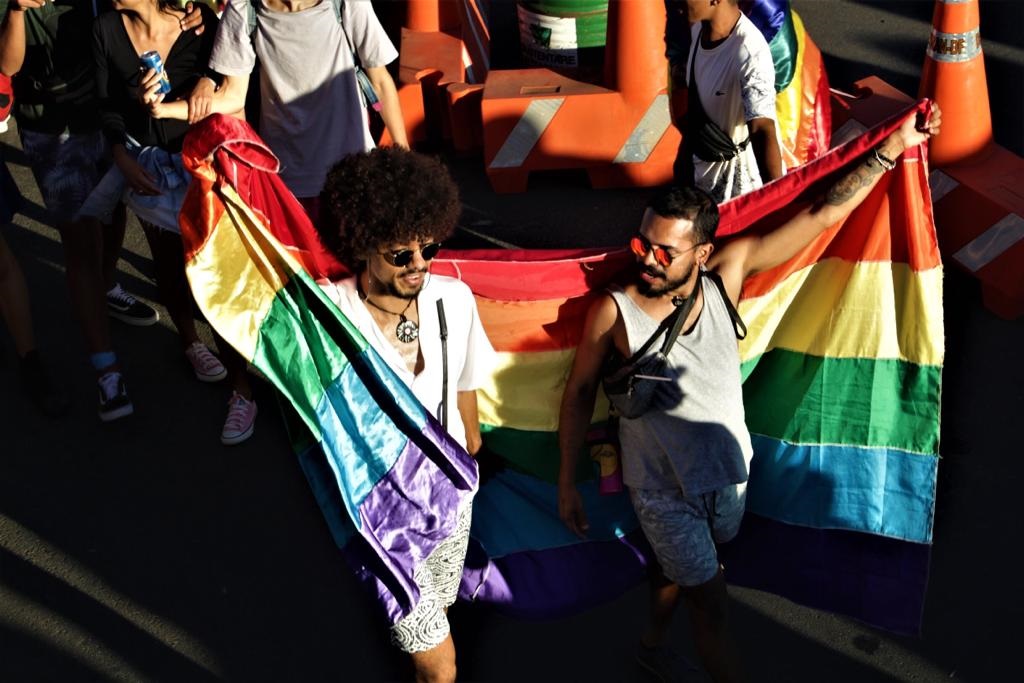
(148,171)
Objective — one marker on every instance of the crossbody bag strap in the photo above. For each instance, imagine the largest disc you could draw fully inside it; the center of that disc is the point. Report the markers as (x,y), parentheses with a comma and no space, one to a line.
(737,322)
(682,313)
(443,327)
(362,80)
(673,322)
(698,117)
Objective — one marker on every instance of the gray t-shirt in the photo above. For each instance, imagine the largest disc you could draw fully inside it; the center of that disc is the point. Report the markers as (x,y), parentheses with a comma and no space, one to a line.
(311,112)
(695,436)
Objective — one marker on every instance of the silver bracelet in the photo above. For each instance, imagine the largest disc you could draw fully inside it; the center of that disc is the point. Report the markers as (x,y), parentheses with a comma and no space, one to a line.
(883,161)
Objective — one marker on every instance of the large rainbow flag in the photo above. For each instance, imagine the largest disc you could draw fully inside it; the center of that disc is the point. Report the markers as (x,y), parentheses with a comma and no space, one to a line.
(842,369)
(390,480)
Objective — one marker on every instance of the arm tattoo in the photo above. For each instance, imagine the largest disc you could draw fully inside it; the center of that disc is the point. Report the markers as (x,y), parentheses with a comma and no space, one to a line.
(863,176)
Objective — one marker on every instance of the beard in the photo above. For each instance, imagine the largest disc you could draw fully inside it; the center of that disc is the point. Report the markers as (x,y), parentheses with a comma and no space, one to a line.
(662,284)
(396,289)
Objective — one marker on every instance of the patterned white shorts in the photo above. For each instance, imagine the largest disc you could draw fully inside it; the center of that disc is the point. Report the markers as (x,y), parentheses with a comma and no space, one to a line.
(438,579)
(683,530)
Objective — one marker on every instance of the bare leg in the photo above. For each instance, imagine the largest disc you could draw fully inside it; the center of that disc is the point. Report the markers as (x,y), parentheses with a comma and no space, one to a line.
(14,303)
(708,607)
(664,597)
(171,282)
(113,238)
(237,367)
(436,665)
(82,248)
(16,311)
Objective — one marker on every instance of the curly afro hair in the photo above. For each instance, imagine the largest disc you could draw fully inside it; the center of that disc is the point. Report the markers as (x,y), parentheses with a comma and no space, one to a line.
(389,195)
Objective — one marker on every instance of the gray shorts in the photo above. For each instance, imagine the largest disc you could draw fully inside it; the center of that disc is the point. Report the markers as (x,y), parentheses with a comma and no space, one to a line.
(683,530)
(438,579)
(66,167)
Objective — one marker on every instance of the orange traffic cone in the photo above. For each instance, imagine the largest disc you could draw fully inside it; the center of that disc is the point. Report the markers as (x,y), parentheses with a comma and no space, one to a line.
(954,76)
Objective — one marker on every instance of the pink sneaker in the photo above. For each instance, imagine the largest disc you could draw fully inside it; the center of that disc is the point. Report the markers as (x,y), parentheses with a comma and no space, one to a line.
(241,420)
(204,363)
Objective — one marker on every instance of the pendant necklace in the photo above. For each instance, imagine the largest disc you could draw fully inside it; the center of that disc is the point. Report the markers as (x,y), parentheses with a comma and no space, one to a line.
(406,330)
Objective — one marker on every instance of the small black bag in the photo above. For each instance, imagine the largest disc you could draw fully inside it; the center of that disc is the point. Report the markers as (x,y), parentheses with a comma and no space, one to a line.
(630,387)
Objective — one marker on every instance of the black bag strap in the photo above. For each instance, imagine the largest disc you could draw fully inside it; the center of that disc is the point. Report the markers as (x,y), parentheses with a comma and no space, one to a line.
(443,327)
(673,322)
(737,322)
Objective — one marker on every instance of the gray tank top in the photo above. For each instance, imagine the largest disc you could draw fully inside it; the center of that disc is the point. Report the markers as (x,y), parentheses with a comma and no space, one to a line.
(695,436)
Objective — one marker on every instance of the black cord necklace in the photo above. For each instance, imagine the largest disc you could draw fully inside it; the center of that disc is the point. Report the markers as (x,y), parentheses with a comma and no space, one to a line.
(406,330)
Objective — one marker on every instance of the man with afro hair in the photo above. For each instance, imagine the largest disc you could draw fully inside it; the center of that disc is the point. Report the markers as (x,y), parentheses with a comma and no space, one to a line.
(385,214)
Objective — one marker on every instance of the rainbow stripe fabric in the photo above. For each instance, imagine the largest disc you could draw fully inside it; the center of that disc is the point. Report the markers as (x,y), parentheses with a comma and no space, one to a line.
(842,373)
(842,369)
(388,478)
(802,104)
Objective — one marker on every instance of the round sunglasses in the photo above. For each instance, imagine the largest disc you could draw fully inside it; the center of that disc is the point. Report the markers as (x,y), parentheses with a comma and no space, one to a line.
(640,245)
(402,258)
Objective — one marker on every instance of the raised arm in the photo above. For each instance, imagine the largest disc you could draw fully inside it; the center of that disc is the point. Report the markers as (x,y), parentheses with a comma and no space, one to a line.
(744,256)
(578,406)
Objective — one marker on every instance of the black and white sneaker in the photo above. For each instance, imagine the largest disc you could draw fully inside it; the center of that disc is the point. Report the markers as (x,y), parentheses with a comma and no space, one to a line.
(114,401)
(128,309)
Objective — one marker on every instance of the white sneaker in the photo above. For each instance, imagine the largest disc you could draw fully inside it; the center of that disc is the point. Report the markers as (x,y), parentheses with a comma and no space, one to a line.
(204,363)
(241,420)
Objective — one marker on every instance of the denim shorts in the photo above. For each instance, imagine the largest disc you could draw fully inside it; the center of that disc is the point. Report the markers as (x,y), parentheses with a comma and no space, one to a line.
(683,530)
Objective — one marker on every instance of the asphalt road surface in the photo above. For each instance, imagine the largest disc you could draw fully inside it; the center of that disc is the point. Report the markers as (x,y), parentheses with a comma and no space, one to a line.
(144,550)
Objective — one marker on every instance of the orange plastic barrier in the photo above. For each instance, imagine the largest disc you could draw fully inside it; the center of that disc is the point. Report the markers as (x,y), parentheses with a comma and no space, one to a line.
(535,119)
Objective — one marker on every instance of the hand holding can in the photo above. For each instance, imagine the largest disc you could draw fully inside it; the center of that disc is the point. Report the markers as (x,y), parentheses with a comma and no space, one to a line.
(151,60)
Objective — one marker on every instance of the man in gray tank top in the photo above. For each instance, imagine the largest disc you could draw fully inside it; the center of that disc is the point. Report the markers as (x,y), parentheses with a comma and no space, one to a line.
(686,459)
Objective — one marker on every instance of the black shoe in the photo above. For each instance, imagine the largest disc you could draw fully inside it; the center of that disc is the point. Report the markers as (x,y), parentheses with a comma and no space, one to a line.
(114,401)
(35,381)
(128,309)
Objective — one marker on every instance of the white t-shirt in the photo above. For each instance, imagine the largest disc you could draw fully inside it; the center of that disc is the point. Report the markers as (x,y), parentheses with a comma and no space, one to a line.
(471,358)
(311,112)
(736,82)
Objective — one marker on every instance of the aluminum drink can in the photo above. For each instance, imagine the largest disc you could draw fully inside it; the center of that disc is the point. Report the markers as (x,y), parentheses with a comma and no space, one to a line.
(151,60)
